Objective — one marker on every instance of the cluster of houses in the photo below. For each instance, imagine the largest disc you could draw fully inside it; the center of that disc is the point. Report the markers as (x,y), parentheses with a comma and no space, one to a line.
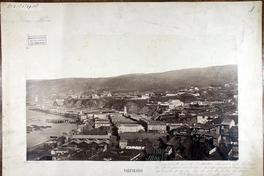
(196,129)
(144,134)
(228,139)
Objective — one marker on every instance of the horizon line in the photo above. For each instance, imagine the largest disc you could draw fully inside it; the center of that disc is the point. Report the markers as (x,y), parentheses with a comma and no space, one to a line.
(103,77)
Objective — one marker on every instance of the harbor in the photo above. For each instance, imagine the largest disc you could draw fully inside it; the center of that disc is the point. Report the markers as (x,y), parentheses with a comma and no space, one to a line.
(41,119)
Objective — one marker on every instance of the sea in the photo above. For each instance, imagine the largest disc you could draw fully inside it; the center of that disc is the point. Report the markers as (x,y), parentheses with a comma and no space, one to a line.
(46,130)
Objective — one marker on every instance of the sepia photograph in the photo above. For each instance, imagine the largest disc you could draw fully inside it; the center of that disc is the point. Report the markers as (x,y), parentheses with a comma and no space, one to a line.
(118,93)
(188,114)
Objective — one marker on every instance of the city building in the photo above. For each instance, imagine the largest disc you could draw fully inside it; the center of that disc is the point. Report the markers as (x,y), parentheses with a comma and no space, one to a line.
(130,127)
(125,111)
(88,139)
(101,123)
(202,119)
(59,102)
(122,143)
(134,144)
(225,126)
(199,103)
(171,95)
(59,151)
(228,139)
(95,96)
(175,103)
(151,125)
(171,126)
(83,117)
(145,96)
(196,94)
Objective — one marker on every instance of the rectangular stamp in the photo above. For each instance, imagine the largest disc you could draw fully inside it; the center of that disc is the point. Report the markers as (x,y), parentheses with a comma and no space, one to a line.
(36,40)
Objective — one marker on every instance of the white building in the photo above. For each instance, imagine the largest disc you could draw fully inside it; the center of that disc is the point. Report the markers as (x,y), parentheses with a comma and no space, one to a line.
(83,117)
(202,119)
(151,125)
(125,111)
(175,103)
(228,123)
(102,123)
(123,143)
(196,94)
(36,99)
(172,126)
(145,96)
(130,127)
(196,89)
(200,103)
(95,96)
(59,151)
(170,95)
(157,127)
(131,144)
(59,102)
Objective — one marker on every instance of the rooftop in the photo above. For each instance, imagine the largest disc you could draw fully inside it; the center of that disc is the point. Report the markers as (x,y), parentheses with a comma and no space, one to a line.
(129,124)
(153,122)
(138,142)
(96,131)
(79,136)
(227,121)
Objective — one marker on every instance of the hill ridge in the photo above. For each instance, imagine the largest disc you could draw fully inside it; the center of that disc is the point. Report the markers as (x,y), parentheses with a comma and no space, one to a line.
(163,81)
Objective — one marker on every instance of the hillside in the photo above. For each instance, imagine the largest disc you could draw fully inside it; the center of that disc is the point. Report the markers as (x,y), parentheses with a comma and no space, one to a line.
(138,82)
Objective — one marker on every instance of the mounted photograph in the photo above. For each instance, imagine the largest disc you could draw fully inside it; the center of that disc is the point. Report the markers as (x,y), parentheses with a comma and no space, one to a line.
(132,88)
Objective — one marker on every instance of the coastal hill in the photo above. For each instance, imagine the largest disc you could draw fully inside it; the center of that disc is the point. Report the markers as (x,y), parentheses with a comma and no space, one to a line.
(169,80)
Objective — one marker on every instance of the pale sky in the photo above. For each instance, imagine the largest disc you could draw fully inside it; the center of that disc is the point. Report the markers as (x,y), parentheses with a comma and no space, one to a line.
(101,40)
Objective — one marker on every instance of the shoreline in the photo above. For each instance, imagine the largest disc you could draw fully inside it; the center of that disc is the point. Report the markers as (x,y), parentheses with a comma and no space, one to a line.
(55,130)
(29,149)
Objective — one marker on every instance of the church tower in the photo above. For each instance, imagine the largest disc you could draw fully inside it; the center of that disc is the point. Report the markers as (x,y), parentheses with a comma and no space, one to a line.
(125,110)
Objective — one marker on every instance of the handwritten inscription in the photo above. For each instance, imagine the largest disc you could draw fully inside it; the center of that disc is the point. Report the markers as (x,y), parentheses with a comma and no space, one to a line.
(22,6)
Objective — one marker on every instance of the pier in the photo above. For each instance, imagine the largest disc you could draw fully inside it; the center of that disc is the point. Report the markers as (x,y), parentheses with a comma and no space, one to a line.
(60,112)
(61,121)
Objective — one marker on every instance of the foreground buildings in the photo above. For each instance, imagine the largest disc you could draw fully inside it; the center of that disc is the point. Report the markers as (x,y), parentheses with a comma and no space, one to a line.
(188,124)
